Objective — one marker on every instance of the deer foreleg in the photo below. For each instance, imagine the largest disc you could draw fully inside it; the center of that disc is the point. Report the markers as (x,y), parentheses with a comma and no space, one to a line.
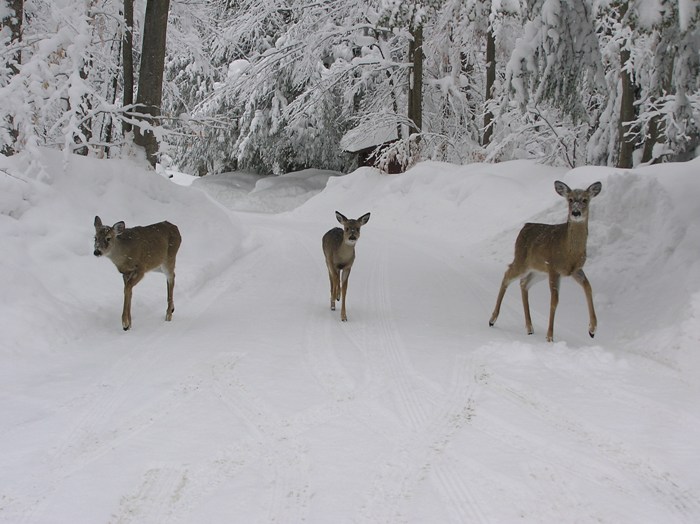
(334,277)
(130,280)
(508,277)
(554,280)
(580,277)
(344,278)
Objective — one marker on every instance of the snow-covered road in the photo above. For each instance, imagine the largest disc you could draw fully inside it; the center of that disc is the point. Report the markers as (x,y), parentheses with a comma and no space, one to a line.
(256,404)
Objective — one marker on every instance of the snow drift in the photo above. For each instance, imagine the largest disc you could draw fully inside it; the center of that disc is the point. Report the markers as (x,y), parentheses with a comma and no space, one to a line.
(256,404)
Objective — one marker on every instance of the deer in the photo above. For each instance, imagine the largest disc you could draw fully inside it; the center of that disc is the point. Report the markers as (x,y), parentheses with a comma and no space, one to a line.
(339,251)
(136,251)
(553,251)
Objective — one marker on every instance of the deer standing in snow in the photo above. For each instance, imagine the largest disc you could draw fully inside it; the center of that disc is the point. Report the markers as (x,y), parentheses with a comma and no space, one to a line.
(339,250)
(136,251)
(554,250)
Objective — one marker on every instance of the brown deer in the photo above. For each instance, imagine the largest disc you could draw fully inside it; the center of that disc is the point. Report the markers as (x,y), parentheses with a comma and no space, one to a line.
(136,251)
(339,250)
(554,250)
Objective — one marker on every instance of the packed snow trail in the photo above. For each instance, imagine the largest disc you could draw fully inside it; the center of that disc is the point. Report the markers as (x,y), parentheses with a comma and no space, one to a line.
(257,404)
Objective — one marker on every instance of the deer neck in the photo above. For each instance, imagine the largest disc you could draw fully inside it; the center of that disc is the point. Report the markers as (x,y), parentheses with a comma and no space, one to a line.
(576,236)
(346,251)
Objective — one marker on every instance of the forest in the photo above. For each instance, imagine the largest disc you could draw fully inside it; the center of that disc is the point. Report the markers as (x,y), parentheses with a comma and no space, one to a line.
(273,86)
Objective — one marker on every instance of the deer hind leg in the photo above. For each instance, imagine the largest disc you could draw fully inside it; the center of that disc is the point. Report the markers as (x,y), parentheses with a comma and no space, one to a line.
(130,280)
(170,276)
(508,277)
(345,274)
(554,279)
(525,284)
(580,277)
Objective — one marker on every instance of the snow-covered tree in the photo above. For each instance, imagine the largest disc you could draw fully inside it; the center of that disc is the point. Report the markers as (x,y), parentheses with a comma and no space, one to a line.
(60,92)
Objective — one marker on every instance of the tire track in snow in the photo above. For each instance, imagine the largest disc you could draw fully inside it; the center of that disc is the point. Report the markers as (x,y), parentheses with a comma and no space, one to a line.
(554,492)
(417,452)
(387,341)
(283,454)
(321,334)
(98,430)
(273,444)
(460,502)
(430,418)
(160,489)
(638,402)
(662,486)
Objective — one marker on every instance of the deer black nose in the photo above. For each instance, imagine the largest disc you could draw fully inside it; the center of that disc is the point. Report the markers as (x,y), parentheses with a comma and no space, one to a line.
(576,213)
(97,253)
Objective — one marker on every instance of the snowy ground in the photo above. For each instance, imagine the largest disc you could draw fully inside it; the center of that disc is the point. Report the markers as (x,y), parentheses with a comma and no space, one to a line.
(256,404)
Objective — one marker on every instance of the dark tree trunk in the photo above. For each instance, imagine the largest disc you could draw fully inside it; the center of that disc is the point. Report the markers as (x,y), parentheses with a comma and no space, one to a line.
(626,113)
(415,86)
(150,91)
(653,137)
(490,81)
(128,57)
(626,142)
(14,22)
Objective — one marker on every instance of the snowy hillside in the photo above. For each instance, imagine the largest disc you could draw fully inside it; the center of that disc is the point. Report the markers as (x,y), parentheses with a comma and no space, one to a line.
(256,404)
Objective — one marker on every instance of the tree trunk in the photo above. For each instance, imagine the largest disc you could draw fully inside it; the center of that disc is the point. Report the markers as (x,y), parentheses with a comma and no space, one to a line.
(128,58)
(150,91)
(654,136)
(490,81)
(415,86)
(626,142)
(626,113)
(14,22)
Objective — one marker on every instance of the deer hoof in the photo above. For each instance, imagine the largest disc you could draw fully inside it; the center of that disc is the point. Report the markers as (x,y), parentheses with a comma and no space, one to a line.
(491,323)
(591,333)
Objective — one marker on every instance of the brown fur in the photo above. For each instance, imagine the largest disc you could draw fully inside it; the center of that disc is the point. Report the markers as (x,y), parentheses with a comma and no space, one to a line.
(136,251)
(339,251)
(555,251)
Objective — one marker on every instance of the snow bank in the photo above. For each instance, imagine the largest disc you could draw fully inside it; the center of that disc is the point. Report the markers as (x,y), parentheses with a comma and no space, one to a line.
(49,276)
(643,242)
(243,191)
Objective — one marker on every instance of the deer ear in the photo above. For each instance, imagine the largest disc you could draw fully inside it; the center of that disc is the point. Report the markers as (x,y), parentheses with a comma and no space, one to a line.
(561,188)
(364,219)
(119,227)
(98,222)
(339,216)
(595,188)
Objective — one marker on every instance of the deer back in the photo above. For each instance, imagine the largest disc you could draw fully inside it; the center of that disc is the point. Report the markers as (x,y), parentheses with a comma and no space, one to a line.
(552,247)
(143,247)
